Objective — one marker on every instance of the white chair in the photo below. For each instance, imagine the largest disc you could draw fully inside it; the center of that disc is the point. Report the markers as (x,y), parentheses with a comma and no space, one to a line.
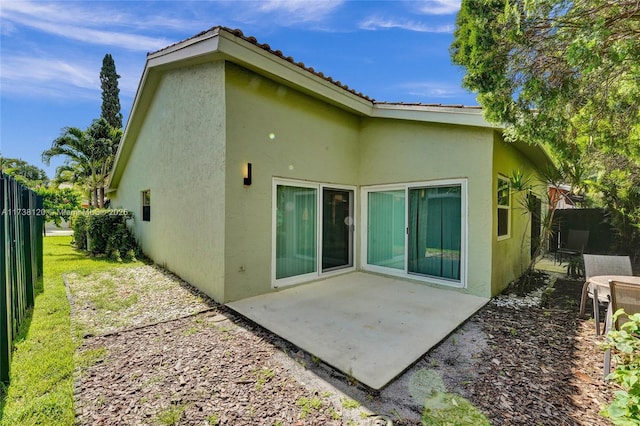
(596,265)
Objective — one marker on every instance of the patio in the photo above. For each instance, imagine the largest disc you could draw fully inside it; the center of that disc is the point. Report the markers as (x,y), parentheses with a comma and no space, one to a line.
(368,326)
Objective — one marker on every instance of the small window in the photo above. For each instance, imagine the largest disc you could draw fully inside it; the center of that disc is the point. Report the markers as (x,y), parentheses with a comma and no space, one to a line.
(146,205)
(504,207)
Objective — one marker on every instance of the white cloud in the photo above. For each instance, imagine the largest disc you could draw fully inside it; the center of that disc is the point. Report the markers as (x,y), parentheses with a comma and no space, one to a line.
(45,76)
(376,23)
(283,13)
(47,69)
(90,14)
(431,90)
(69,79)
(101,37)
(297,11)
(438,7)
(86,24)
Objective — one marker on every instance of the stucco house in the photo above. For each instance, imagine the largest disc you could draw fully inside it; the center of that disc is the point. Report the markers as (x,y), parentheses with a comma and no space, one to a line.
(248,172)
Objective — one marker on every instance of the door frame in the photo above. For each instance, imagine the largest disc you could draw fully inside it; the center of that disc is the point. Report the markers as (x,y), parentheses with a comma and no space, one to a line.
(319,186)
(352,227)
(404,273)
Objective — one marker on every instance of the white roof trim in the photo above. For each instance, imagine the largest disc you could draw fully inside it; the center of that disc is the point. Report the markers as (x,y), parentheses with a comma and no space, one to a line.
(434,114)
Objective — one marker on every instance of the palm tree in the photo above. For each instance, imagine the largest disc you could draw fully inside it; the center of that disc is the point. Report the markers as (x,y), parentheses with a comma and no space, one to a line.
(90,155)
(73,173)
(106,139)
(77,146)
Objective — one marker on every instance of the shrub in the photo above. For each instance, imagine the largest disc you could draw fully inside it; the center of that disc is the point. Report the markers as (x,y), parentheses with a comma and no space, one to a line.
(625,408)
(105,232)
(80,232)
(575,268)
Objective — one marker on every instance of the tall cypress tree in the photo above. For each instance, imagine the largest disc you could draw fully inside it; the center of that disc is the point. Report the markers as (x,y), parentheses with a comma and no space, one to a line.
(110,92)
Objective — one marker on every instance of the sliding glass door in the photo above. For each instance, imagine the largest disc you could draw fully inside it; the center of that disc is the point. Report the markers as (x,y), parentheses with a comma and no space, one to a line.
(434,232)
(417,230)
(313,231)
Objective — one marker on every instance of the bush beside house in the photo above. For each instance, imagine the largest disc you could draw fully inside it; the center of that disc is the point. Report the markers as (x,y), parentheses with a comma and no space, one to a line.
(105,232)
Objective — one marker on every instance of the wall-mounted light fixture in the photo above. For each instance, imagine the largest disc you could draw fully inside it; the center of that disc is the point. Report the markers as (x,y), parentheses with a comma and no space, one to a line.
(247,174)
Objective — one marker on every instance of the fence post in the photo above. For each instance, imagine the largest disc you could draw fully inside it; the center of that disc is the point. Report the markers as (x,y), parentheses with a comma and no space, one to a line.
(26,247)
(5,295)
(38,234)
(12,262)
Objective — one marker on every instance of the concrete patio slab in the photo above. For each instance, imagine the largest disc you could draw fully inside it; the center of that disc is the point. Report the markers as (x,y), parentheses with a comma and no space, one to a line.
(367,326)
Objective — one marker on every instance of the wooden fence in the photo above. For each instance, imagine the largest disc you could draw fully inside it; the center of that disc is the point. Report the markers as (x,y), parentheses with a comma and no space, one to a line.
(21,222)
(596,221)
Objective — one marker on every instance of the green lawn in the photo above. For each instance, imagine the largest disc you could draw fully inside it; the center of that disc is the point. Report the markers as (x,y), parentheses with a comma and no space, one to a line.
(41,387)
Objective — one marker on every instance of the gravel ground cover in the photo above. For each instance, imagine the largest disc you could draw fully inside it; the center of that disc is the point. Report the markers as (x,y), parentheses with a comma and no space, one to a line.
(157,352)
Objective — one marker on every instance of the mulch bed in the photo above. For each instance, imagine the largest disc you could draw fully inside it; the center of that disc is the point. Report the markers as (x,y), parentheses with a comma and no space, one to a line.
(199,369)
(543,366)
(539,367)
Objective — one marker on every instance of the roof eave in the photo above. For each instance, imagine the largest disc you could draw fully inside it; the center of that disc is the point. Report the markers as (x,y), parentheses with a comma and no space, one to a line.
(255,58)
(432,114)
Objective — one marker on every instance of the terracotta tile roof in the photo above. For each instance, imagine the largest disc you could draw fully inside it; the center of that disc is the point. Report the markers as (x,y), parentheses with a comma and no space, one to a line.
(266,47)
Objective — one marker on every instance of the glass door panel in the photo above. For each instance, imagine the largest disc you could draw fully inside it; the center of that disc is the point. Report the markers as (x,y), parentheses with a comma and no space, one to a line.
(434,239)
(386,228)
(296,231)
(337,229)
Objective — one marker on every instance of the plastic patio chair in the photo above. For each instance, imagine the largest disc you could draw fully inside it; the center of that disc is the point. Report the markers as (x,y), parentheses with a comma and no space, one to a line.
(595,265)
(623,296)
(576,243)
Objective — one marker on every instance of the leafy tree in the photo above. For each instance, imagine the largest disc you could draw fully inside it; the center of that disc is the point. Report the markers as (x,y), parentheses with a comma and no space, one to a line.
(110,92)
(563,74)
(24,172)
(58,204)
(618,182)
(87,152)
(555,71)
(106,139)
(81,163)
(90,154)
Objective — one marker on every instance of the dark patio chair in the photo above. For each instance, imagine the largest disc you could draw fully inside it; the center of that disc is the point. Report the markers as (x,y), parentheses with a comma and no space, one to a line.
(576,243)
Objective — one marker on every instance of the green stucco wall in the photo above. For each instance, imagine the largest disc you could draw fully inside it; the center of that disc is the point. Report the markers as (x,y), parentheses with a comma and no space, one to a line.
(511,255)
(206,122)
(179,156)
(282,133)
(396,151)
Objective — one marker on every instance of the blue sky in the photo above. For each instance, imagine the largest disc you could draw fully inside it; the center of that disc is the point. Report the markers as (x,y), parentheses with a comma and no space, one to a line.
(51,53)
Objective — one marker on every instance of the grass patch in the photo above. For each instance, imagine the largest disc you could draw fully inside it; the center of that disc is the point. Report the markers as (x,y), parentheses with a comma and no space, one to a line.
(446,409)
(213,419)
(350,403)
(263,376)
(41,387)
(171,415)
(308,405)
(106,297)
(88,357)
(112,300)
